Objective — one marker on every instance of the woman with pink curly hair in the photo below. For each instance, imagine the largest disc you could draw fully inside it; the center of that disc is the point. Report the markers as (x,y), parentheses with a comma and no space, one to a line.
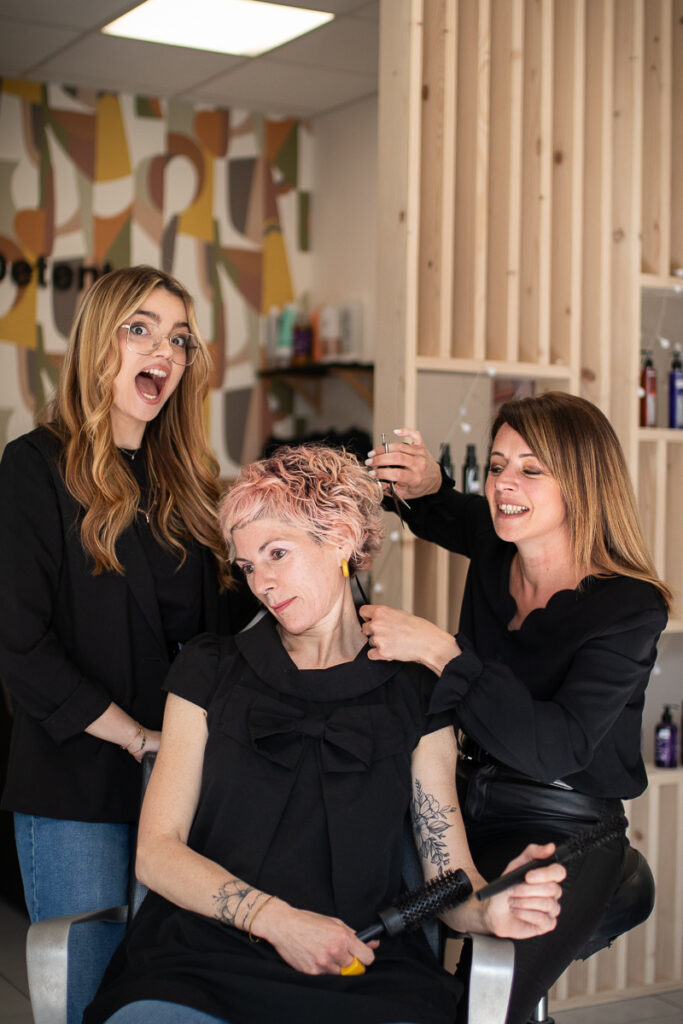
(272,828)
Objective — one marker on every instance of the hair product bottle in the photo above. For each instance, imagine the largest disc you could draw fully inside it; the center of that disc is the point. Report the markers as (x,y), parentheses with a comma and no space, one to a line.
(471,480)
(666,740)
(648,391)
(676,391)
(445,460)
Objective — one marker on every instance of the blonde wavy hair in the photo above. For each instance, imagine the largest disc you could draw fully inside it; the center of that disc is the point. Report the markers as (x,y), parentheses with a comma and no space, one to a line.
(183,473)
(321,490)
(577,444)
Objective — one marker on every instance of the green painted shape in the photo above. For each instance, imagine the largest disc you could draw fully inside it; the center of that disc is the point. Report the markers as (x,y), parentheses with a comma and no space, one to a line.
(304,221)
(118,253)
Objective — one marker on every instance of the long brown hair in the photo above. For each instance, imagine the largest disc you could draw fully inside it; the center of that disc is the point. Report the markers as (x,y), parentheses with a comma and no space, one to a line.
(183,473)
(578,445)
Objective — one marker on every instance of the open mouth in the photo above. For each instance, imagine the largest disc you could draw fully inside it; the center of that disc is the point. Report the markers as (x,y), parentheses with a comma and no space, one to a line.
(512,510)
(150,383)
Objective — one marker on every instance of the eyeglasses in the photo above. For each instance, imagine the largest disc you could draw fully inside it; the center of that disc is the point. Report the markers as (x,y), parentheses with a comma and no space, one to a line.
(144,339)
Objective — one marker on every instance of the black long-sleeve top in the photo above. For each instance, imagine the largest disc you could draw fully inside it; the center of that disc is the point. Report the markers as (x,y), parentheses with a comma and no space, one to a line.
(562,697)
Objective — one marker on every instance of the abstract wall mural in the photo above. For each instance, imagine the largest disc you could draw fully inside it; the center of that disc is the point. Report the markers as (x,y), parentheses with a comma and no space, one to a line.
(91,181)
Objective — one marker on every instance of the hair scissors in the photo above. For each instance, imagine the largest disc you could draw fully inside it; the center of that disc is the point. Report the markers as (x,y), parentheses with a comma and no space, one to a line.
(398,501)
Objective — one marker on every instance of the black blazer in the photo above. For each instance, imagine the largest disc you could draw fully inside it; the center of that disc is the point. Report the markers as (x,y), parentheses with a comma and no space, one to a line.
(71,642)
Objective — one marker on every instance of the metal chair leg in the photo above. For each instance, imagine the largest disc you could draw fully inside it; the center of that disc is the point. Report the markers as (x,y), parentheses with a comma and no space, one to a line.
(540,1014)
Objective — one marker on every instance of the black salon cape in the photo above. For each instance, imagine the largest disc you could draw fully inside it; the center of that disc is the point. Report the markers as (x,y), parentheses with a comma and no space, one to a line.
(562,697)
(305,790)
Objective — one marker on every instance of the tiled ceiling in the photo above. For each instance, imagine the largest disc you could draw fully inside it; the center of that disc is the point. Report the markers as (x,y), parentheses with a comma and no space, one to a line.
(60,41)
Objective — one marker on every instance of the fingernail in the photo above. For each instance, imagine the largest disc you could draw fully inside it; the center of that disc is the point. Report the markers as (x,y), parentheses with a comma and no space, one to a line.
(397,430)
(372,473)
(368,461)
(370,454)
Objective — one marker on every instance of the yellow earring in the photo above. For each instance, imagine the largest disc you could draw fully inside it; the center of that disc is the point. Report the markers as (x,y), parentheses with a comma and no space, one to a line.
(345,569)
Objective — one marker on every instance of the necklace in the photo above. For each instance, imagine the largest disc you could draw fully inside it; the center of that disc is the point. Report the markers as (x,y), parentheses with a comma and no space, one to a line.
(150,504)
(130,452)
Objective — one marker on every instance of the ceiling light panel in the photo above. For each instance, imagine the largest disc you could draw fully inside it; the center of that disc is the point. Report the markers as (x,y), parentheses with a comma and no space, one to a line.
(244,28)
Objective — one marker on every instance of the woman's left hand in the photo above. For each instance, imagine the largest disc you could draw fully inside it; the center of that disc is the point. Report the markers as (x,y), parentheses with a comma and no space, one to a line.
(399,636)
(532,907)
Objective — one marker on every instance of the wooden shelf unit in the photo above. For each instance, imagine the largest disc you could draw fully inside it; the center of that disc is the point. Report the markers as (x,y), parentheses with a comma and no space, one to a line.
(531,184)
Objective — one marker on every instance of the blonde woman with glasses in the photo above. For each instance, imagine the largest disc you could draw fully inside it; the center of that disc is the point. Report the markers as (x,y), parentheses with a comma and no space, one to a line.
(112,559)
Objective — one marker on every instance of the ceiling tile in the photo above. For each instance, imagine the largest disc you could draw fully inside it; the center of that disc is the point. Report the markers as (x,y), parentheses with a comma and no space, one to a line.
(337,7)
(129,65)
(22,46)
(80,14)
(345,45)
(268,85)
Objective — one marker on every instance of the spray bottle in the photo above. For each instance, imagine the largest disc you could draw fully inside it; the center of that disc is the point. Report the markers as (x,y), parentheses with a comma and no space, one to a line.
(648,391)
(666,740)
(676,391)
(471,481)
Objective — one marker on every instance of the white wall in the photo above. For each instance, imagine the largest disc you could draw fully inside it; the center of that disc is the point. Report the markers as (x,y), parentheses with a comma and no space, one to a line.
(344,214)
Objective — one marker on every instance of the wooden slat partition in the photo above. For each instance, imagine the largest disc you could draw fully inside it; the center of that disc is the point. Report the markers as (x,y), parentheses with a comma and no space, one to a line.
(434,183)
(566,215)
(625,227)
(504,186)
(676,134)
(656,186)
(597,203)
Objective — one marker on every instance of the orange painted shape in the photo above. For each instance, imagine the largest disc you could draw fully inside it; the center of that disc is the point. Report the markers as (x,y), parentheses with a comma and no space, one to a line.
(276,136)
(212,128)
(29,228)
(105,231)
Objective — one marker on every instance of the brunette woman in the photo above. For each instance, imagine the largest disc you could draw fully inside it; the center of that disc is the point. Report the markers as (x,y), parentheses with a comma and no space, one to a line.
(558,635)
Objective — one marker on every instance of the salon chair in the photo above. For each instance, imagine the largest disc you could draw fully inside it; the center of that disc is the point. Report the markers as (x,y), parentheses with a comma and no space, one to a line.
(47,950)
(631,904)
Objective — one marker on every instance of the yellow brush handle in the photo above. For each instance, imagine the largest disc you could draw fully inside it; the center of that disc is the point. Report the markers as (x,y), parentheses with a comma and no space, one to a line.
(355,967)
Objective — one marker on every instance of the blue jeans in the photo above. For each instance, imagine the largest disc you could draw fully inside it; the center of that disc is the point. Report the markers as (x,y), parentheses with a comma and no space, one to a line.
(155,1011)
(70,867)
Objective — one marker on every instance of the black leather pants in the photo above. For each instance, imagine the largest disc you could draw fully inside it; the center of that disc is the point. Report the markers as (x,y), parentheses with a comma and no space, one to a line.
(504,811)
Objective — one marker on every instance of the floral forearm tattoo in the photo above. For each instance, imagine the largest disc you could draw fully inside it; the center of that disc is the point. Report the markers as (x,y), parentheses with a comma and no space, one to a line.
(235,902)
(430,826)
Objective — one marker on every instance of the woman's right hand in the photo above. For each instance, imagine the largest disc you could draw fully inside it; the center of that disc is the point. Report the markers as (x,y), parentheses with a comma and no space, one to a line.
(408,465)
(308,942)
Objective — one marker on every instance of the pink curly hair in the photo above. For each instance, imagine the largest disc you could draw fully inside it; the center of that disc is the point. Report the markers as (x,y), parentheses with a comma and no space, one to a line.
(318,489)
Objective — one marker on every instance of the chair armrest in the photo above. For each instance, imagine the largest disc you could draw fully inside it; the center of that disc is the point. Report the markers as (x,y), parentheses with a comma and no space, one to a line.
(491,973)
(47,948)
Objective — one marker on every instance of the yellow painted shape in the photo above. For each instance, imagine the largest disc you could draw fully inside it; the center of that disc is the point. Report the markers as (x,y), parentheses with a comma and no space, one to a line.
(19,324)
(197,220)
(31,91)
(112,160)
(277,283)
